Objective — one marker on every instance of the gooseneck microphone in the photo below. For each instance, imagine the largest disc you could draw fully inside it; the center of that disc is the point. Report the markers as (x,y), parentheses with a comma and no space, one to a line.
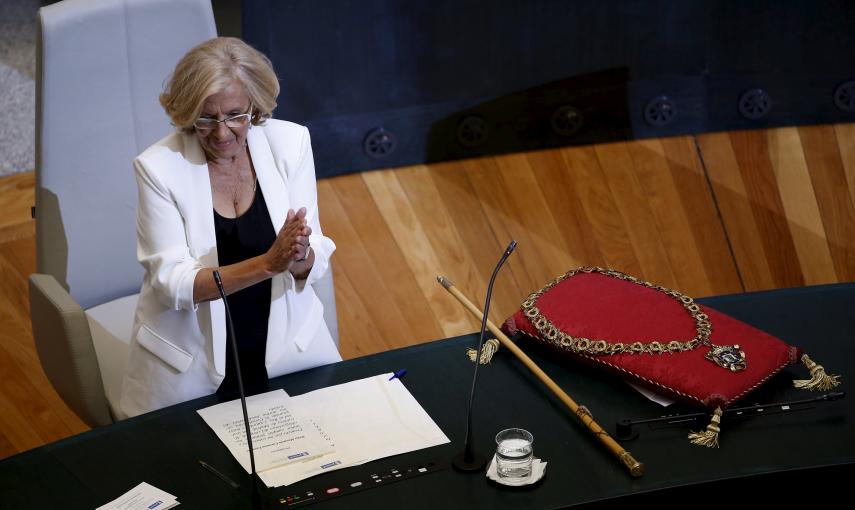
(233,342)
(469,461)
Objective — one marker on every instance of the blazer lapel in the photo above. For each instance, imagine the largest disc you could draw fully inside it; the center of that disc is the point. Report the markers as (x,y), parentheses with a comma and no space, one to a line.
(201,234)
(275,191)
(202,238)
(272,184)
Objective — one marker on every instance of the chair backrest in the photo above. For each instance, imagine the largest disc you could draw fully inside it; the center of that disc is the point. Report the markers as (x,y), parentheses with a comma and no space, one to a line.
(101,67)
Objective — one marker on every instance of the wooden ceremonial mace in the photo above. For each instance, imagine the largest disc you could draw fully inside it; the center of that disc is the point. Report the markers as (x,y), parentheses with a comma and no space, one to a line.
(635,468)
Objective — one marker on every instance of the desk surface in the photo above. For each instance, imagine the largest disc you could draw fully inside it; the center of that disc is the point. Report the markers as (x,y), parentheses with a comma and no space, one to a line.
(162,447)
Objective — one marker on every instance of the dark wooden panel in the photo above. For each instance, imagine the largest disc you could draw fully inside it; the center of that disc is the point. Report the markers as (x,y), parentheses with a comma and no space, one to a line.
(752,154)
(671,221)
(438,236)
(735,208)
(800,205)
(835,204)
(17,196)
(495,198)
(478,241)
(846,141)
(556,181)
(705,223)
(359,335)
(543,248)
(369,257)
(601,213)
(635,210)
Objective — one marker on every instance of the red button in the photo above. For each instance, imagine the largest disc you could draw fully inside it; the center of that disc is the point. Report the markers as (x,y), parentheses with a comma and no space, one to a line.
(332,490)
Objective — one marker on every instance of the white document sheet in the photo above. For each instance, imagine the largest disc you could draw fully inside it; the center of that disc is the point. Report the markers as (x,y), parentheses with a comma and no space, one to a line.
(281,431)
(142,497)
(652,395)
(363,420)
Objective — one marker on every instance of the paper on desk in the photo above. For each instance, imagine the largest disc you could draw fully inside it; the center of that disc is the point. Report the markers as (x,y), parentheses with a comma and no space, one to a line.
(363,420)
(281,432)
(142,497)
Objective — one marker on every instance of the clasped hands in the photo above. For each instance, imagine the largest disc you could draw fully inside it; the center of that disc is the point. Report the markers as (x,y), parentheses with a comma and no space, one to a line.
(292,243)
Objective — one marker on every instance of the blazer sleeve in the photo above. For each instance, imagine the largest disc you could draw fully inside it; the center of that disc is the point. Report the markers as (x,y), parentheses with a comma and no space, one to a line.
(303,193)
(162,242)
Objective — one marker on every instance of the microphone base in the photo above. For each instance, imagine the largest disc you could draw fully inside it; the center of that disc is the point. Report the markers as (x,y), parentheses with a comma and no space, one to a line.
(259,499)
(475,464)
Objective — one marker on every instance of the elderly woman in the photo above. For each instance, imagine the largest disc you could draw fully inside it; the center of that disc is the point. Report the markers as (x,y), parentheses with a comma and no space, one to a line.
(234,191)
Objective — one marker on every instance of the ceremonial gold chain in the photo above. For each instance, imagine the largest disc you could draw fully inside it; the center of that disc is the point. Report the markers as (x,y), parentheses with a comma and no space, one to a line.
(582,345)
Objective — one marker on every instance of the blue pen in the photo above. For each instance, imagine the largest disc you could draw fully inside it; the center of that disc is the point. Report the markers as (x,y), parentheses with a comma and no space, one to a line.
(398,374)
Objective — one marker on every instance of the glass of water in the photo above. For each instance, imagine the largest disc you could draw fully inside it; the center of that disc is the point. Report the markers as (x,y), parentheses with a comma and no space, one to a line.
(513,454)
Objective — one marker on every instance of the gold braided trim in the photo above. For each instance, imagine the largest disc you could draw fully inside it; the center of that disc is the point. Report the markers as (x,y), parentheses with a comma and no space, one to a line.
(489,348)
(651,382)
(819,379)
(708,437)
(596,347)
(758,383)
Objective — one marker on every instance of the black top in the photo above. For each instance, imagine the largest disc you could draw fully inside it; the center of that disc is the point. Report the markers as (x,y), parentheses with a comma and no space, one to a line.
(249,235)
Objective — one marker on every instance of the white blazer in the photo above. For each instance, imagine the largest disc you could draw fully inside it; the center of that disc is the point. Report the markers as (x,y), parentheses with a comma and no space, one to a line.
(178,349)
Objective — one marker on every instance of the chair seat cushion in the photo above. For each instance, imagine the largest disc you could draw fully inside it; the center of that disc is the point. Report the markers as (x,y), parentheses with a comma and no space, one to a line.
(111,324)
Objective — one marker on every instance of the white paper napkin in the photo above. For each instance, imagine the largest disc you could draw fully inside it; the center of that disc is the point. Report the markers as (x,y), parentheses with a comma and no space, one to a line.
(538,469)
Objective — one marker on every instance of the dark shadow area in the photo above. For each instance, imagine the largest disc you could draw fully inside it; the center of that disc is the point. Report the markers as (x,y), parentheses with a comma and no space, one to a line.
(582,110)
(51,241)
(227,16)
(387,84)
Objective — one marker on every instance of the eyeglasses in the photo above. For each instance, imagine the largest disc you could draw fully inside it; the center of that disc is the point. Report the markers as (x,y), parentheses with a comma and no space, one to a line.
(235,121)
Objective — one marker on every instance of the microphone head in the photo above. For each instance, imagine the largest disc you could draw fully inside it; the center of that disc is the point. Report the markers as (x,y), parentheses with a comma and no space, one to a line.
(511,247)
(219,282)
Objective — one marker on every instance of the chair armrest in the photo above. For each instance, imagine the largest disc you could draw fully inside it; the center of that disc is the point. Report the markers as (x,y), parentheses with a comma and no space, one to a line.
(64,344)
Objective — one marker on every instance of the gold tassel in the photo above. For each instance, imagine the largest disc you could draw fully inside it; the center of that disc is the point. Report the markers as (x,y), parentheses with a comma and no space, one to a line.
(709,437)
(819,380)
(490,348)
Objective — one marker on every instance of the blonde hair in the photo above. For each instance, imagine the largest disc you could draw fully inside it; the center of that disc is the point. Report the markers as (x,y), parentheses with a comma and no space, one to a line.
(211,67)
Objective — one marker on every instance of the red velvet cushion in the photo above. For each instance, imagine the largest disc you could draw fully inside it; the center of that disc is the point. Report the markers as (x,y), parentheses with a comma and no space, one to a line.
(597,306)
